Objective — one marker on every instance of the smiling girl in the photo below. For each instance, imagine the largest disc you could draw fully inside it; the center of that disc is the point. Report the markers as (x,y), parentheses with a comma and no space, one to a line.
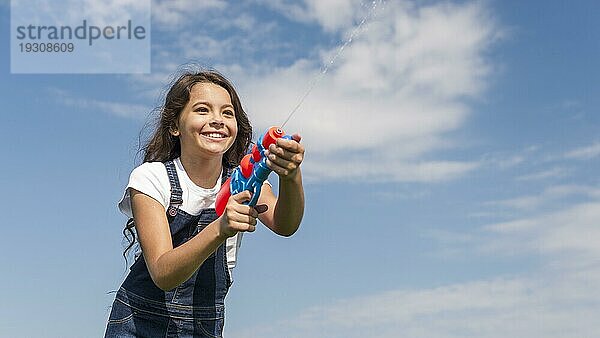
(178,283)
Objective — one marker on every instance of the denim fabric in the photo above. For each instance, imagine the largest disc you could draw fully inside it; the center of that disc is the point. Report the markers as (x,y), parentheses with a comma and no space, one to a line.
(196,308)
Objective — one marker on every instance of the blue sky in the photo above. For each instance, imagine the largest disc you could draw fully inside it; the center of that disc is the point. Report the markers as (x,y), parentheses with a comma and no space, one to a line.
(451,169)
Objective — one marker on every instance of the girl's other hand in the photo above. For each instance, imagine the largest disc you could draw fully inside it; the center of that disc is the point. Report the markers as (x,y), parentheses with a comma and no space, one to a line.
(285,156)
(238,216)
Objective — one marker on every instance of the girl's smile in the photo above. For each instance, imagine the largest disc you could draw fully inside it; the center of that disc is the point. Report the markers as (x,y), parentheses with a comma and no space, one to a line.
(214,136)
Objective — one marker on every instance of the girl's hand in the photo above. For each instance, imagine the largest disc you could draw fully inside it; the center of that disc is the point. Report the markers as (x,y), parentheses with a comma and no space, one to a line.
(238,216)
(285,157)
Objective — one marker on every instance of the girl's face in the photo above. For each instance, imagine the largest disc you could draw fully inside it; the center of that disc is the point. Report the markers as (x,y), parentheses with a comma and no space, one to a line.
(207,124)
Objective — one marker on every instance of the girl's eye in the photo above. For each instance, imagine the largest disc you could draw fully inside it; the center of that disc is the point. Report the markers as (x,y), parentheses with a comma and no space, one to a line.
(229,113)
(202,110)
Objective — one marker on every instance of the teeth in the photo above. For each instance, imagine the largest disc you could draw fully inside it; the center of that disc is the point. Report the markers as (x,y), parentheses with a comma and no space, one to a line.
(215,135)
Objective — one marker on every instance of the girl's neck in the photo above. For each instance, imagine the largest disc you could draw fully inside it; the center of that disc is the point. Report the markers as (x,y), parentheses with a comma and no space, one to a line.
(203,171)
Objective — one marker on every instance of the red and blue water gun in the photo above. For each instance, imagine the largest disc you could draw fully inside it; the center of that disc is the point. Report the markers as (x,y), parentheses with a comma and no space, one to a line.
(252,171)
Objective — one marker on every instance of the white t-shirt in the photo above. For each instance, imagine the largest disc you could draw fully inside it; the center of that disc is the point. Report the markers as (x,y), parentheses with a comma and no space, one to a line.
(151,179)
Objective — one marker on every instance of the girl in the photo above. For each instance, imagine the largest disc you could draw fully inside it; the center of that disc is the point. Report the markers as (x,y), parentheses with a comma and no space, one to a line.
(177,286)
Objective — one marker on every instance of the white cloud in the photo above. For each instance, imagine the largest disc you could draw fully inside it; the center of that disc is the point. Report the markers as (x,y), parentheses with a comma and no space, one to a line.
(388,170)
(573,230)
(544,174)
(503,161)
(329,14)
(194,46)
(334,14)
(202,18)
(176,13)
(111,107)
(390,99)
(73,12)
(387,105)
(584,153)
(503,307)
(560,224)
(121,109)
(549,195)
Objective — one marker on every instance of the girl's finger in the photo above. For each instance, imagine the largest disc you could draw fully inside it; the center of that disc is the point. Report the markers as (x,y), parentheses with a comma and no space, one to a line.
(245,210)
(291,145)
(244,196)
(241,226)
(250,211)
(285,154)
(276,168)
(241,218)
(285,164)
(280,161)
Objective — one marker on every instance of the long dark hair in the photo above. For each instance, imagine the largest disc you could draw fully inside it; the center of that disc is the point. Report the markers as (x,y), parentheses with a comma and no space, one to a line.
(163,146)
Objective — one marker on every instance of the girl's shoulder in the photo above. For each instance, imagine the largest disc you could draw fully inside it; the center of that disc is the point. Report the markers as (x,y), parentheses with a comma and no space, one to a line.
(150,168)
(151,179)
(151,174)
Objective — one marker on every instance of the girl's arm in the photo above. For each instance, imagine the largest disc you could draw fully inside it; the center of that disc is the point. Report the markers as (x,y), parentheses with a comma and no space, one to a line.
(168,266)
(285,212)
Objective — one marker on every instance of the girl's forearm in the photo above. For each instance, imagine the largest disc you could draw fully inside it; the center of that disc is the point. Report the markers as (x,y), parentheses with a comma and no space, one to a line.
(176,266)
(289,208)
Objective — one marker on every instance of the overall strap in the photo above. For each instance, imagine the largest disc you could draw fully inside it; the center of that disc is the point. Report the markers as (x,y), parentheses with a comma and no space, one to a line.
(176,191)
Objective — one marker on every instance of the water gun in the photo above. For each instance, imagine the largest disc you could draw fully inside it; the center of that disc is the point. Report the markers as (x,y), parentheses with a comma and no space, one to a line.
(252,171)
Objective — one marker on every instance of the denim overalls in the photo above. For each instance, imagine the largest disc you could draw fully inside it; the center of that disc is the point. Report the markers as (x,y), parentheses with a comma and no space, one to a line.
(196,308)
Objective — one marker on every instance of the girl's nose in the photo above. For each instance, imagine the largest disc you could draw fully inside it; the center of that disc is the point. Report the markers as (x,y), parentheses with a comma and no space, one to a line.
(217,123)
